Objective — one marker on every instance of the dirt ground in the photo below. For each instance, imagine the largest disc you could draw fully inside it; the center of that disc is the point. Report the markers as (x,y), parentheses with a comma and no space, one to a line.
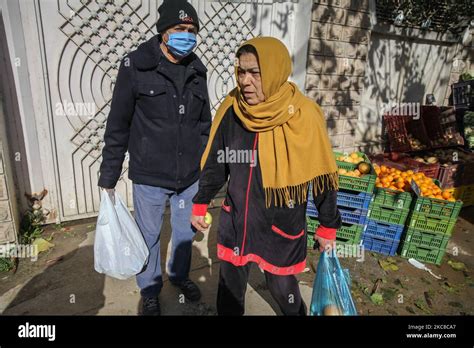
(63,280)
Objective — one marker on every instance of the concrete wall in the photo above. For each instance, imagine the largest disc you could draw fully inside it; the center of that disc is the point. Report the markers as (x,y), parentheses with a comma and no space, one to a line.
(402,67)
(336,64)
(355,65)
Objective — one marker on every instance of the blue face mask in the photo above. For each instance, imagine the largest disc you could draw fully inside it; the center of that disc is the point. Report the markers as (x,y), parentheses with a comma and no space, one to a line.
(181,44)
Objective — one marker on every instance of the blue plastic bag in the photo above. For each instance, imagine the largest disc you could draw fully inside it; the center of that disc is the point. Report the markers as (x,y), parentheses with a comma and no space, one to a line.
(332,288)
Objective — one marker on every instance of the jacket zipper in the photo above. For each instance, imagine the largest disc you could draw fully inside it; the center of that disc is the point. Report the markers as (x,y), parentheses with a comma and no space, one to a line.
(247,196)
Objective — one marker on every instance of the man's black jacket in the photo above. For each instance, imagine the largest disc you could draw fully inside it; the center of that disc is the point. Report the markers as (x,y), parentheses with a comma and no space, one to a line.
(165,130)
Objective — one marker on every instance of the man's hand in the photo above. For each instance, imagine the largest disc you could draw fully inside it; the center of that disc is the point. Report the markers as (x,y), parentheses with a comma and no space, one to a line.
(198,223)
(325,244)
(111,193)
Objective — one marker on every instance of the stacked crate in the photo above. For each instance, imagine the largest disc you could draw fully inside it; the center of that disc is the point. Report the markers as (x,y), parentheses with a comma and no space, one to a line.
(353,200)
(466,195)
(386,219)
(429,227)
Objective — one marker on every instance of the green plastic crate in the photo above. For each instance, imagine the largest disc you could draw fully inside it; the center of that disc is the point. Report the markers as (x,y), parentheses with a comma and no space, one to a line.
(389,215)
(347,165)
(390,198)
(422,222)
(351,241)
(365,183)
(311,224)
(426,239)
(348,233)
(437,207)
(410,250)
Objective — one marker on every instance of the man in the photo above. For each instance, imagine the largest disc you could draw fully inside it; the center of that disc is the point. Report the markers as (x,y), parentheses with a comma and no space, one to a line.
(160,112)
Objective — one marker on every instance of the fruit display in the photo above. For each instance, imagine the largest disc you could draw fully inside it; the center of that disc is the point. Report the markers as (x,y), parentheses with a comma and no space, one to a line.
(447,157)
(364,168)
(353,158)
(426,159)
(415,144)
(360,163)
(397,180)
(468,120)
(449,137)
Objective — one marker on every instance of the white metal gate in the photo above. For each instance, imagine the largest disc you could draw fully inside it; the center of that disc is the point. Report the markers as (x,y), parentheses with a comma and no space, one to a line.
(80,44)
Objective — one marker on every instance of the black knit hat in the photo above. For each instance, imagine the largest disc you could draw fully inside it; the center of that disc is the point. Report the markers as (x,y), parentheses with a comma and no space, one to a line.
(174,12)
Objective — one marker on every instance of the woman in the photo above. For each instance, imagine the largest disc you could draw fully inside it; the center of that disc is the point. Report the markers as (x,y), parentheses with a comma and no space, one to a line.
(284,136)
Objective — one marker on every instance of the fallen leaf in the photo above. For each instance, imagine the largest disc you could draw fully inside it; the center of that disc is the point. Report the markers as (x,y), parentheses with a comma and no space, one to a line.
(388,265)
(428,299)
(457,266)
(410,310)
(391,260)
(421,305)
(377,299)
(449,287)
(41,245)
(376,286)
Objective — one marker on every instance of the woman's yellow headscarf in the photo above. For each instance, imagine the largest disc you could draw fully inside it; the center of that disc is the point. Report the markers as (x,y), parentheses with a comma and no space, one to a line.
(294,148)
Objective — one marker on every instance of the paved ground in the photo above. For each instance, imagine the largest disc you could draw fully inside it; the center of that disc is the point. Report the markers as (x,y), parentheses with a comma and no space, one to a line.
(63,280)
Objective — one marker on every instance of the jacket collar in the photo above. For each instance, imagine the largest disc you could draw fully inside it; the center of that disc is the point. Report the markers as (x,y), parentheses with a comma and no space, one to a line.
(149,54)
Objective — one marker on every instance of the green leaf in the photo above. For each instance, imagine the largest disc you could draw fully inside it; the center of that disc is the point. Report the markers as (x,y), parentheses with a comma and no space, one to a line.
(422,305)
(457,266)
(377,299)
(388,264)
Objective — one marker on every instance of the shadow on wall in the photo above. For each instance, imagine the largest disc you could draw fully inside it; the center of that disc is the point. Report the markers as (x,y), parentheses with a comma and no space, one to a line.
(400,70)
(388,69)
(338,83)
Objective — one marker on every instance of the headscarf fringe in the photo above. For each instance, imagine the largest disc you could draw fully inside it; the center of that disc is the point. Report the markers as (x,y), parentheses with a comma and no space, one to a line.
(298,194)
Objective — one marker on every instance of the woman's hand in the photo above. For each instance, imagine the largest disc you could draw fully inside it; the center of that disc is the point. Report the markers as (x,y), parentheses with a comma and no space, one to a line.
(198,223)
(325,244)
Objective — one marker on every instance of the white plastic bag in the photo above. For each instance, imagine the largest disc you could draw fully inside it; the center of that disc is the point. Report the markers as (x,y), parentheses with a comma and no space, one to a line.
(119,249)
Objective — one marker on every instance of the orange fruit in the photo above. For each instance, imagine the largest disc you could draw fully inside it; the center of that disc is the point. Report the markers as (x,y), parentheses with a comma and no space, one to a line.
(446,194)
(451,199)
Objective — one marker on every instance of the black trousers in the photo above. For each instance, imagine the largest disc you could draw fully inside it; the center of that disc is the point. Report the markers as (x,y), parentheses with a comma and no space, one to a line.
(233,284)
